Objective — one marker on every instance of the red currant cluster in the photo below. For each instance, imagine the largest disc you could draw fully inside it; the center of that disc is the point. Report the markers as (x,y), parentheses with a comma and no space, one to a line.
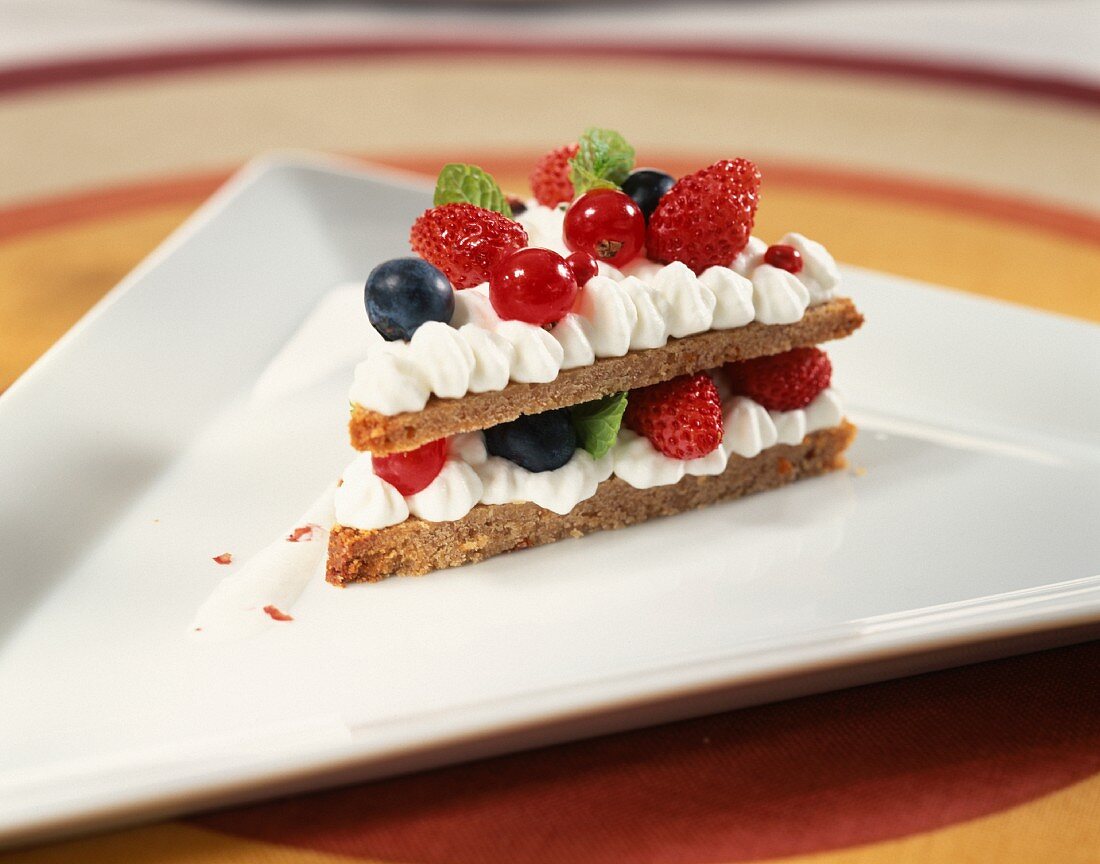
(539,286)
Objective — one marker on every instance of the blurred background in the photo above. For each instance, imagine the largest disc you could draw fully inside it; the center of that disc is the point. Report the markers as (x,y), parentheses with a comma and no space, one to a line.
(954,142)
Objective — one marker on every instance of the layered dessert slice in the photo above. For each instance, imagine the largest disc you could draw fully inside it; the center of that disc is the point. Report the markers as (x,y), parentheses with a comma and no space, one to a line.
(617,348)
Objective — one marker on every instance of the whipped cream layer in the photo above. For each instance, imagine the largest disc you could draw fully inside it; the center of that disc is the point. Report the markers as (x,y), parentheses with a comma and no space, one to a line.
(641,306)
(471,476)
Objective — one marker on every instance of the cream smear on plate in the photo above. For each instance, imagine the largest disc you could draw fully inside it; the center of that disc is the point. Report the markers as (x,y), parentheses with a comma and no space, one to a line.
(272,579)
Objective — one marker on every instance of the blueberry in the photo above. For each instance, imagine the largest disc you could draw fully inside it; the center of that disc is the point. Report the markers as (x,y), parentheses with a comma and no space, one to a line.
(647,186)
(537,442)
(403,293)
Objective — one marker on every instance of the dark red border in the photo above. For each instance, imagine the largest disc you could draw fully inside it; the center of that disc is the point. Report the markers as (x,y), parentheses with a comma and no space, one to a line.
(20,79)
(46,213)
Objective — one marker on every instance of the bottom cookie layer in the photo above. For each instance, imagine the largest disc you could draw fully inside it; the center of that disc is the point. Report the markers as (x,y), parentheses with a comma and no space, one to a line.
(416,547)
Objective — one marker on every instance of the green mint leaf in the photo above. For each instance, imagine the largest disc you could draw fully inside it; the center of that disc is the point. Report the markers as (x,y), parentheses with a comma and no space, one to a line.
(468,184)
(602,162)
(597,423)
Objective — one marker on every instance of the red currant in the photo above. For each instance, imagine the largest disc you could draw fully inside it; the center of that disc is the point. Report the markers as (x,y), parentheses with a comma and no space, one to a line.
(533,285)
(412,471)
(784,257)
(582,266)
(607,224)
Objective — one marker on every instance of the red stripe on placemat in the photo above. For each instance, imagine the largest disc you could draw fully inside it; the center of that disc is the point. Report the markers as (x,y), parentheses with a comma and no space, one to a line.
(87,70)
(826,772)
(1026,212)
(58,211)
(54,212)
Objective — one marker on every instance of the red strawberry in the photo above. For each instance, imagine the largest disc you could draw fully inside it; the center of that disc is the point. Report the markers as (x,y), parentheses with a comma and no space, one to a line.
(550,180)
(782,382)
(682,418)
(706,218)
(465,241)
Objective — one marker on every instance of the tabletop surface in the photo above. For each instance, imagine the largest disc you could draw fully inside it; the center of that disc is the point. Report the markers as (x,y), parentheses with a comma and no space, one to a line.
(914,148)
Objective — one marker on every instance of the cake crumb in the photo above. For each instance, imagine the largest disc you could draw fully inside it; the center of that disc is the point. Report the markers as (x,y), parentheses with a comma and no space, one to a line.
(859,471)
(303,533)
(277,614)
(224,558)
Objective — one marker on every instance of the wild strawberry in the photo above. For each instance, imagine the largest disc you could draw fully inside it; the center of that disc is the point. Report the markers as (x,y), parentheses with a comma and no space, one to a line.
(706,218)
(465,241)
(782,382)
(682,418)
(550,180)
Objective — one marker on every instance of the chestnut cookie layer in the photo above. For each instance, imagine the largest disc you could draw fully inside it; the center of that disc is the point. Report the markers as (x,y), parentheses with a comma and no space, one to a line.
(381,434)
(415,547)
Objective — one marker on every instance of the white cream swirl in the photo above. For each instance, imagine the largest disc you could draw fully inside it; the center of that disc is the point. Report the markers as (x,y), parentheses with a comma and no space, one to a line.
(471,476)
(364,500)
(732,295)
(650,328)
(472,306)
(451,495)
(493,358)
(443,359)
(537,354)
(778,296)
(637,308)
(505,482)
(576,348)
(388,381)
(688,302)
(607,316)
(749,258)
(543,226)
(819,272)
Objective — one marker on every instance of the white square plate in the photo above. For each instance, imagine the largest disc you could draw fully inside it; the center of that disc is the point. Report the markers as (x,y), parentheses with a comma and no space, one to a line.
(129,456)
